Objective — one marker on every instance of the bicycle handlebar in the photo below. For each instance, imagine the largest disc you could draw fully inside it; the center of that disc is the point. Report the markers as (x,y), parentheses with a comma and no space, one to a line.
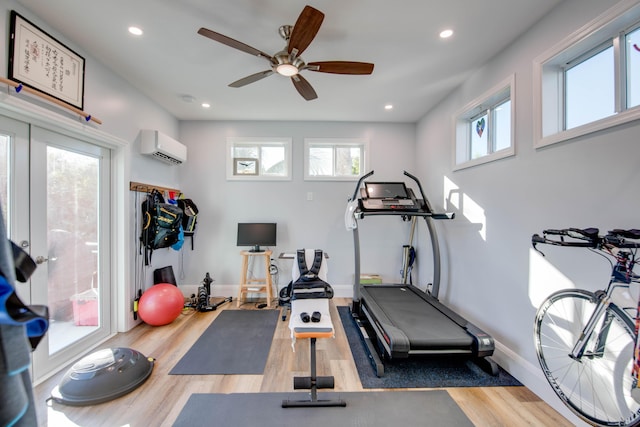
(623,238)
(589,238)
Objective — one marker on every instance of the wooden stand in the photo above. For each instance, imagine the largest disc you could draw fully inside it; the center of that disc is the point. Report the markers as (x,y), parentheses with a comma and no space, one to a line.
(255,285)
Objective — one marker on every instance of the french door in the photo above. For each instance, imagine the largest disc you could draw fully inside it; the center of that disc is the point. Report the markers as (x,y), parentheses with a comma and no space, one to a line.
(56,205)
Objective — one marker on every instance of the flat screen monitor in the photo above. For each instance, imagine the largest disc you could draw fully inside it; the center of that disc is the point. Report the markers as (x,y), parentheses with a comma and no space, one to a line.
(257,234)
(386,190)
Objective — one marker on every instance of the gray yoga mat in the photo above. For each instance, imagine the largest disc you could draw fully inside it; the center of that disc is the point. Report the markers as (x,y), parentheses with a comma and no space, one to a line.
(237,342)
(371,409)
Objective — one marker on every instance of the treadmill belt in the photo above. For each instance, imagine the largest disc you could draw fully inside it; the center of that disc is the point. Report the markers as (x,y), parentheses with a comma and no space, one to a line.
(424,325)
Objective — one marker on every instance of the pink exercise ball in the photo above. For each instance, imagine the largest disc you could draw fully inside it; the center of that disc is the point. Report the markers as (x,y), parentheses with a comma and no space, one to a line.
(161,304)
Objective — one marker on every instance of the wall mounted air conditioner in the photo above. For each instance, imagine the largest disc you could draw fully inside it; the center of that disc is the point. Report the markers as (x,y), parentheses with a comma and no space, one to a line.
(162,147)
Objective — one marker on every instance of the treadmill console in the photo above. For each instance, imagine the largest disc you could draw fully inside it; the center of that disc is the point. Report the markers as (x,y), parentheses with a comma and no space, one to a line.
(388,196)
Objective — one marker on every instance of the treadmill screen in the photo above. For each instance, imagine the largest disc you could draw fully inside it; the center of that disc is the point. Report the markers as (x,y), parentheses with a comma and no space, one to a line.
(386,190)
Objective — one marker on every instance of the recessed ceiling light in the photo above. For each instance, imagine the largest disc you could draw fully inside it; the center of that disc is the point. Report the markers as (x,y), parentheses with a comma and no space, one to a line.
(135,31)
(446,34)
(205,105)
(388,107)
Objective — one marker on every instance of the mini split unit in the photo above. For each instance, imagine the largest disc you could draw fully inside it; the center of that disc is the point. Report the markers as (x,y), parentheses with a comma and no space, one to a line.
(162,147)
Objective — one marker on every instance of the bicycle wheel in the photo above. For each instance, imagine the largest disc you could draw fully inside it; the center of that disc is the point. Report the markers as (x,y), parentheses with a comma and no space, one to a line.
(596,387)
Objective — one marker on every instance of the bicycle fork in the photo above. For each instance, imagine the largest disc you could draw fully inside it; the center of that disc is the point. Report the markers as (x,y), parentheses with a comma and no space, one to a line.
(581,344)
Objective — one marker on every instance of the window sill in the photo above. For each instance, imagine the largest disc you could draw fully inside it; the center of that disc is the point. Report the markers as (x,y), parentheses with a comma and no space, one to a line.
(589,128)
(332,178)
(502,154)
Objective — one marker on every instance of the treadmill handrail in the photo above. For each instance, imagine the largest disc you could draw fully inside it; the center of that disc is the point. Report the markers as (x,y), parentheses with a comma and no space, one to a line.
(424,198)
(362,178)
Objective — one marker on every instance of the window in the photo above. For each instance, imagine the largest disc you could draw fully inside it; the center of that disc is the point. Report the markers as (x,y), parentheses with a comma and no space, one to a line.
(585,101)
(335,159)
(484,130)
(259,158)
(590,81)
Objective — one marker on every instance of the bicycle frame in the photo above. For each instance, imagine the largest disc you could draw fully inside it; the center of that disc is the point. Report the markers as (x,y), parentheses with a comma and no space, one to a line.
(621,277)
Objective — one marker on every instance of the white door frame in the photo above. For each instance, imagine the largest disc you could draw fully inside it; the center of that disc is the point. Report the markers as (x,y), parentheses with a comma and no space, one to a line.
(45,359)
(122,295)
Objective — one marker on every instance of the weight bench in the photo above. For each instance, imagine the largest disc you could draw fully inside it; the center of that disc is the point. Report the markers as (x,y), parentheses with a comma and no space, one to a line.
(312,304)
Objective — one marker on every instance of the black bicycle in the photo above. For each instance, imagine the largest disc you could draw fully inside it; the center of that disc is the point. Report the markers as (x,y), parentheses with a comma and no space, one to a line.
(585,340)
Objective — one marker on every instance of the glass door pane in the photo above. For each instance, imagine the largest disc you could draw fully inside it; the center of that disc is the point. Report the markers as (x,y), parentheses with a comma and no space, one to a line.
(72,230)
(69,226)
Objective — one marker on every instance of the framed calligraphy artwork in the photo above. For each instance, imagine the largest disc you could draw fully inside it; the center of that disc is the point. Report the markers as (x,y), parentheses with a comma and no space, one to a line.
(41,62)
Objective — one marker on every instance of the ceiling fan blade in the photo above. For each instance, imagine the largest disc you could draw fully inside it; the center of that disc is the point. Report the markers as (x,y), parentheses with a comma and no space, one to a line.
(341,67)
(304,87)
(305,29)
(233,43)
(252,78)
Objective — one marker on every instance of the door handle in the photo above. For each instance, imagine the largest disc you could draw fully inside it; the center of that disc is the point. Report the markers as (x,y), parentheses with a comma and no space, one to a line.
(40,259)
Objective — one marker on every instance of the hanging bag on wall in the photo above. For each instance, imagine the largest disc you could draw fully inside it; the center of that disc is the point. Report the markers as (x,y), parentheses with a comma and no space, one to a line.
(161,225)
(168,223)
(190,215)
(148,226)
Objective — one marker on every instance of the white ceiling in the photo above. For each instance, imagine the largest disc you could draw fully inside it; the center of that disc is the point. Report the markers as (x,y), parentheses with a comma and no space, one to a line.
(414,68)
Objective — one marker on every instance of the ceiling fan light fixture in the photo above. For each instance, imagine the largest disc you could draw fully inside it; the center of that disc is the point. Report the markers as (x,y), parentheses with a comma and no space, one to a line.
(287,70)
(445,34)
(136,31)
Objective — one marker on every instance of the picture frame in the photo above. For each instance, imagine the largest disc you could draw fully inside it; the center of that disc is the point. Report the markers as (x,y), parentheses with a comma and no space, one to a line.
(43,63)
(245,166)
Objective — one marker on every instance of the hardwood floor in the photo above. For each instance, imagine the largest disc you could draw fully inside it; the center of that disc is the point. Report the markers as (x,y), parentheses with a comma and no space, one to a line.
(161,398)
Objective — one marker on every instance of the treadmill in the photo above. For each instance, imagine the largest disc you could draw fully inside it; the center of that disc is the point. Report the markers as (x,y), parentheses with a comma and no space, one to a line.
(398,321)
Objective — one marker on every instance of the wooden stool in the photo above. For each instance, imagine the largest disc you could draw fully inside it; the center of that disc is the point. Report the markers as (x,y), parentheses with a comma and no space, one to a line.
(262,285)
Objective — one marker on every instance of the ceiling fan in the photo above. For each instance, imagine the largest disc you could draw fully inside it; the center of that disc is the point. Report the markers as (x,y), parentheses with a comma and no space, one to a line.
(288,62)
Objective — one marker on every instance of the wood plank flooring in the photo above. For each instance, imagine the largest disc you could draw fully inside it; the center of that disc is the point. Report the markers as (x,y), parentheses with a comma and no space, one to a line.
(161,398)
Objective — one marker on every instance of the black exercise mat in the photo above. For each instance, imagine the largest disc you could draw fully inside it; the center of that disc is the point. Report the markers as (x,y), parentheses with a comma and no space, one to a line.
(371,409)
(418,372)
(237,342)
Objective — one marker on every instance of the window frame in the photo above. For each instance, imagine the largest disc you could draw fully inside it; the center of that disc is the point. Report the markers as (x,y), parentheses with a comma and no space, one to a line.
(259,142)
(463,121)
(549,121)
(578,61)
(362,143)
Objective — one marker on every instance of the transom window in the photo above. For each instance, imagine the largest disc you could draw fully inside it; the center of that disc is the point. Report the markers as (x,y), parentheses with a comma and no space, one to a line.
(484,130)
(335,158)
(591,80)
(584,100)
(258,158)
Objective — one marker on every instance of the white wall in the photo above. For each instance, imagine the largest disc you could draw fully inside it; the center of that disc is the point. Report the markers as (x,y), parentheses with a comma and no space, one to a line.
(497,282)
(318,223)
